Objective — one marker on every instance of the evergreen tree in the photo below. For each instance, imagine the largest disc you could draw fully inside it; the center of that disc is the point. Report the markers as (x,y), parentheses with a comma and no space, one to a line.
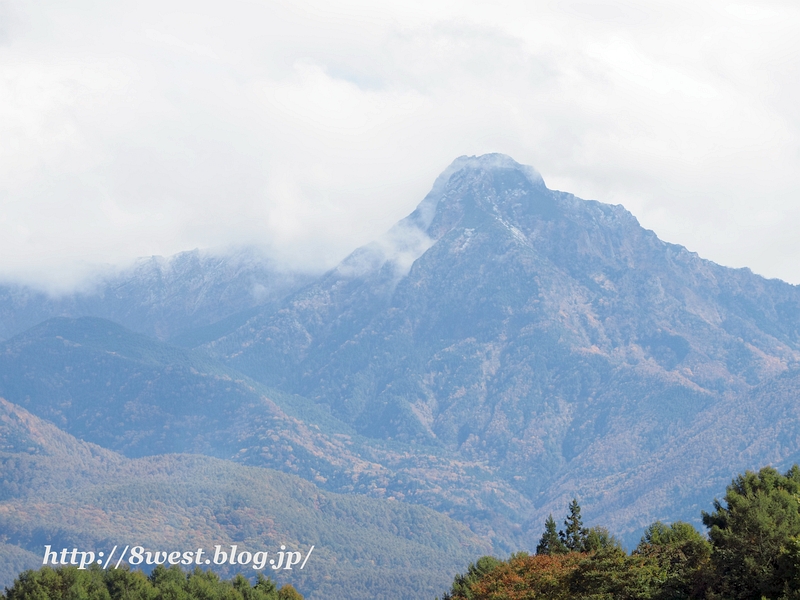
(683,557)
(550,543)
(597,539)
(753,535)
(574,536)
(753,554)
(94,583)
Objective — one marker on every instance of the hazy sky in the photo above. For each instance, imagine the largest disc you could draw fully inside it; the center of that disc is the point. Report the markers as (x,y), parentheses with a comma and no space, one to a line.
(139,128)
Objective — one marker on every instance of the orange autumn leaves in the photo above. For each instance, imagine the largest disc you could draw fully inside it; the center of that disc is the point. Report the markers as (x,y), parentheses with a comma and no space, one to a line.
(525,577)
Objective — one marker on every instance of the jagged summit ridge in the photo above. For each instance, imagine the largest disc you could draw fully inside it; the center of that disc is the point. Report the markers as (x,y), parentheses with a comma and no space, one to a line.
(475,192)
(160,296)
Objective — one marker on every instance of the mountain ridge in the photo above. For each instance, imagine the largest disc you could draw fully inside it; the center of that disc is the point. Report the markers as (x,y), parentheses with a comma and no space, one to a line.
(162,297)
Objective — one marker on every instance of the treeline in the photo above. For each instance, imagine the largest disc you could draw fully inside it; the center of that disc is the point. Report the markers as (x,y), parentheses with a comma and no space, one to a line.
(71,583)
(751,551)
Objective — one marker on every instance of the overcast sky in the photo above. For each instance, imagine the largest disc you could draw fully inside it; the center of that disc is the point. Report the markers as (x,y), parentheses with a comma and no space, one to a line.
(139,128)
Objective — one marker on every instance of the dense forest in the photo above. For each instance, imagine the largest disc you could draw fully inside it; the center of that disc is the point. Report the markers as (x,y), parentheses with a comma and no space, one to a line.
(752,551)
(71,583)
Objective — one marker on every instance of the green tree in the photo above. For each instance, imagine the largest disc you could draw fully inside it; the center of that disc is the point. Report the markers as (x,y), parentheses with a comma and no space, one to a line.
(124,584)
(264,589)
(462,584)
(550,542)
(574,536)
(683,556)
(71,583)
(67,583)
(170,583)
(753,533)
(610,574)
(598,538)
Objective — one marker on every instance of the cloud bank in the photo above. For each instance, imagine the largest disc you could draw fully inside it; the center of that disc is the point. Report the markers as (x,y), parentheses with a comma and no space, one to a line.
(309,128)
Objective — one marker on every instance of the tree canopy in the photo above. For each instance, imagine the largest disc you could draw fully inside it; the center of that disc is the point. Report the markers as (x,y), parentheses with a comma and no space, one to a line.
(94,583)
(752,552)
(755,534)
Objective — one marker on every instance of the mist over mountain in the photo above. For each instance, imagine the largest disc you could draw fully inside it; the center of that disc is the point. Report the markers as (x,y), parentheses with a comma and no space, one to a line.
(159,296)
(503,349)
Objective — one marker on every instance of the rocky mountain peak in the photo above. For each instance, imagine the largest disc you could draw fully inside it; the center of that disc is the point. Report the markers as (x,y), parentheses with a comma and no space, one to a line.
(484,183)
(472,191)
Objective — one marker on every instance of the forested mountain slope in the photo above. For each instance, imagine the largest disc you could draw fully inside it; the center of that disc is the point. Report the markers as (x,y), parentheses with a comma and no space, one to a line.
(60,491)
(138,396)
(761,426)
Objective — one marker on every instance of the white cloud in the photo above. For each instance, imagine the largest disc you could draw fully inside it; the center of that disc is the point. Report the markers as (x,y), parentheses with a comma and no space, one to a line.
(311,127)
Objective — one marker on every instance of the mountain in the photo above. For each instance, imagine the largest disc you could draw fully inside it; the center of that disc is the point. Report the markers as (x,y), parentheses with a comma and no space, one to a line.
(139,396)
(161,297)
(504,348)
(551,337)
(60,491)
